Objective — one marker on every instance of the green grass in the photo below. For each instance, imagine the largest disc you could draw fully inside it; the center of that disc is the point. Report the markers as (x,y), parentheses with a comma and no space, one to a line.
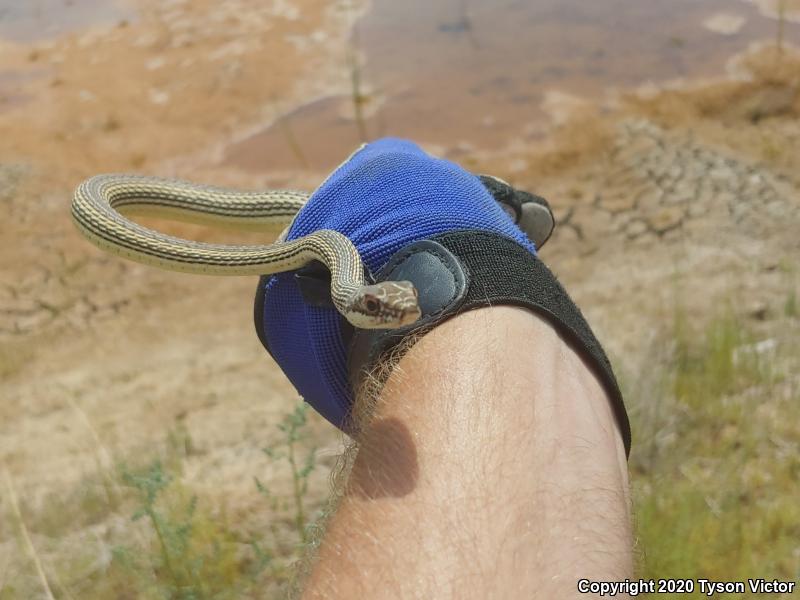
(161,539)
(790,308)
(293,430)
(190,555)
(196,555)
(716,472)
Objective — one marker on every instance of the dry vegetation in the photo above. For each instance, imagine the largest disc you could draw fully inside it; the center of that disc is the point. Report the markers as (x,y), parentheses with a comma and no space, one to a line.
(710,358)
(142,445)
(715,477)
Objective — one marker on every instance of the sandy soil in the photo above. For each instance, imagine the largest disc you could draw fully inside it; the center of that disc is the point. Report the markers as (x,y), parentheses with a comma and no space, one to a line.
(773,8)
(101,358)
(685,196)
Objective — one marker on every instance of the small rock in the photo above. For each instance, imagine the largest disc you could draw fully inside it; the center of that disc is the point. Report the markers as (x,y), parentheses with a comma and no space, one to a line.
(635,229)
(617,203)
(158,96)
(665,219)
(675,173)
(763,348)
(518,165)
(146,40)
(155,63)
(651,201)
(724,23)
(758,310)
(721,173)
(698,209)
(684,191)
(770,264)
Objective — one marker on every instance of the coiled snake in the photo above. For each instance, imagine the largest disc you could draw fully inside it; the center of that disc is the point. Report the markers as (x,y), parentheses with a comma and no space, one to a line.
(99,202)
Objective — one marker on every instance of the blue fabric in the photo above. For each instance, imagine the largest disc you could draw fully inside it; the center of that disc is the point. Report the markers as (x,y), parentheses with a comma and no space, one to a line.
(386,196)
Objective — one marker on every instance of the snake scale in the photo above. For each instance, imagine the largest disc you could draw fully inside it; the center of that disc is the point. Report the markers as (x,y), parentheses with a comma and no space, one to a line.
(100,203)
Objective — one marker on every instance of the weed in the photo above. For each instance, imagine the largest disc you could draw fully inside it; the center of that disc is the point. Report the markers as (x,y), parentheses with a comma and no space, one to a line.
(357,97)
(714,496)
(287,131)
(194,556)
(790,308)
(293,430)
(714,368)
(26,538)
(714,474)
(779,34)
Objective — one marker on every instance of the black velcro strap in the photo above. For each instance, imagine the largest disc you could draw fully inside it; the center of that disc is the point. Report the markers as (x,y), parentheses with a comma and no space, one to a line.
(503,193)
(496,270)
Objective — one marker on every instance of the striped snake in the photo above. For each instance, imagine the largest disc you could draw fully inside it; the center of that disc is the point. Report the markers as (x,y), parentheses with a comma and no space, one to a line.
(99,202)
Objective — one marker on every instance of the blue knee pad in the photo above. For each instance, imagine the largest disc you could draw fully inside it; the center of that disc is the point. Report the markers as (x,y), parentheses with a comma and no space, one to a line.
(387,195)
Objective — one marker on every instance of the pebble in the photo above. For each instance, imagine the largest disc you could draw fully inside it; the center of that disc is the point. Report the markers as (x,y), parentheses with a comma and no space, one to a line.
(619,202)
(758,310)
(665,219)
(155,63)
(635,228)
(158,97)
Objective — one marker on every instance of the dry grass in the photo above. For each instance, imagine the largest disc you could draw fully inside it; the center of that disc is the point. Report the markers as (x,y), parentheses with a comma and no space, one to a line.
(757,116)
(775,8)
(768,86)
(159,538)
(716,468)
(715,465)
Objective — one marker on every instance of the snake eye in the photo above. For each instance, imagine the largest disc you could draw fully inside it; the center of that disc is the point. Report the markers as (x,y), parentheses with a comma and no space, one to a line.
(371,304)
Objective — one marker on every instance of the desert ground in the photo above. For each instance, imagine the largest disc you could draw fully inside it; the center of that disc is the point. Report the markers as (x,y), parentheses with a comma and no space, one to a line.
(678,213)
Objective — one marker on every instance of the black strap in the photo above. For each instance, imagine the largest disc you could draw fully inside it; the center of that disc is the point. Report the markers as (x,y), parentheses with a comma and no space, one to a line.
(458,271)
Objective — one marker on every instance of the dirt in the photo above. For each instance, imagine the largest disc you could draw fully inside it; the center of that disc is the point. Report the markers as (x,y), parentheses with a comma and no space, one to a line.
(774,8)
(682,198)
(686,196)
(500,59)
(99,357)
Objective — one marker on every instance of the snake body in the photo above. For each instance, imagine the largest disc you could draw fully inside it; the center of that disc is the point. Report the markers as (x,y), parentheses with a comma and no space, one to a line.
(99,202)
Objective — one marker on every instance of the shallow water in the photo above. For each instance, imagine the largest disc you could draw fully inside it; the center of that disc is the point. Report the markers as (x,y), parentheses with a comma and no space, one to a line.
(26,20)
(463,72)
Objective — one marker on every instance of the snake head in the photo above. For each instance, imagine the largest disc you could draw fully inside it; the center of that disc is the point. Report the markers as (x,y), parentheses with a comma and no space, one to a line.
(385,305)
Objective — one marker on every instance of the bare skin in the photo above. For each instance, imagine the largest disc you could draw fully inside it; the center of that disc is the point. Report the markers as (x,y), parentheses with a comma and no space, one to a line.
(493,468)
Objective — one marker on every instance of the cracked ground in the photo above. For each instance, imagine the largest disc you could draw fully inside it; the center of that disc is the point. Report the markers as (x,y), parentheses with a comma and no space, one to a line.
(686,197)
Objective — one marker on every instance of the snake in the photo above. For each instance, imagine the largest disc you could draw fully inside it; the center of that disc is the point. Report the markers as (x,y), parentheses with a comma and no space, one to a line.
(101,206)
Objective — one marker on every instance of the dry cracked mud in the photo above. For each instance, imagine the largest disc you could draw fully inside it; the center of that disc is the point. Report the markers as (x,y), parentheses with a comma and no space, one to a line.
(101,357)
